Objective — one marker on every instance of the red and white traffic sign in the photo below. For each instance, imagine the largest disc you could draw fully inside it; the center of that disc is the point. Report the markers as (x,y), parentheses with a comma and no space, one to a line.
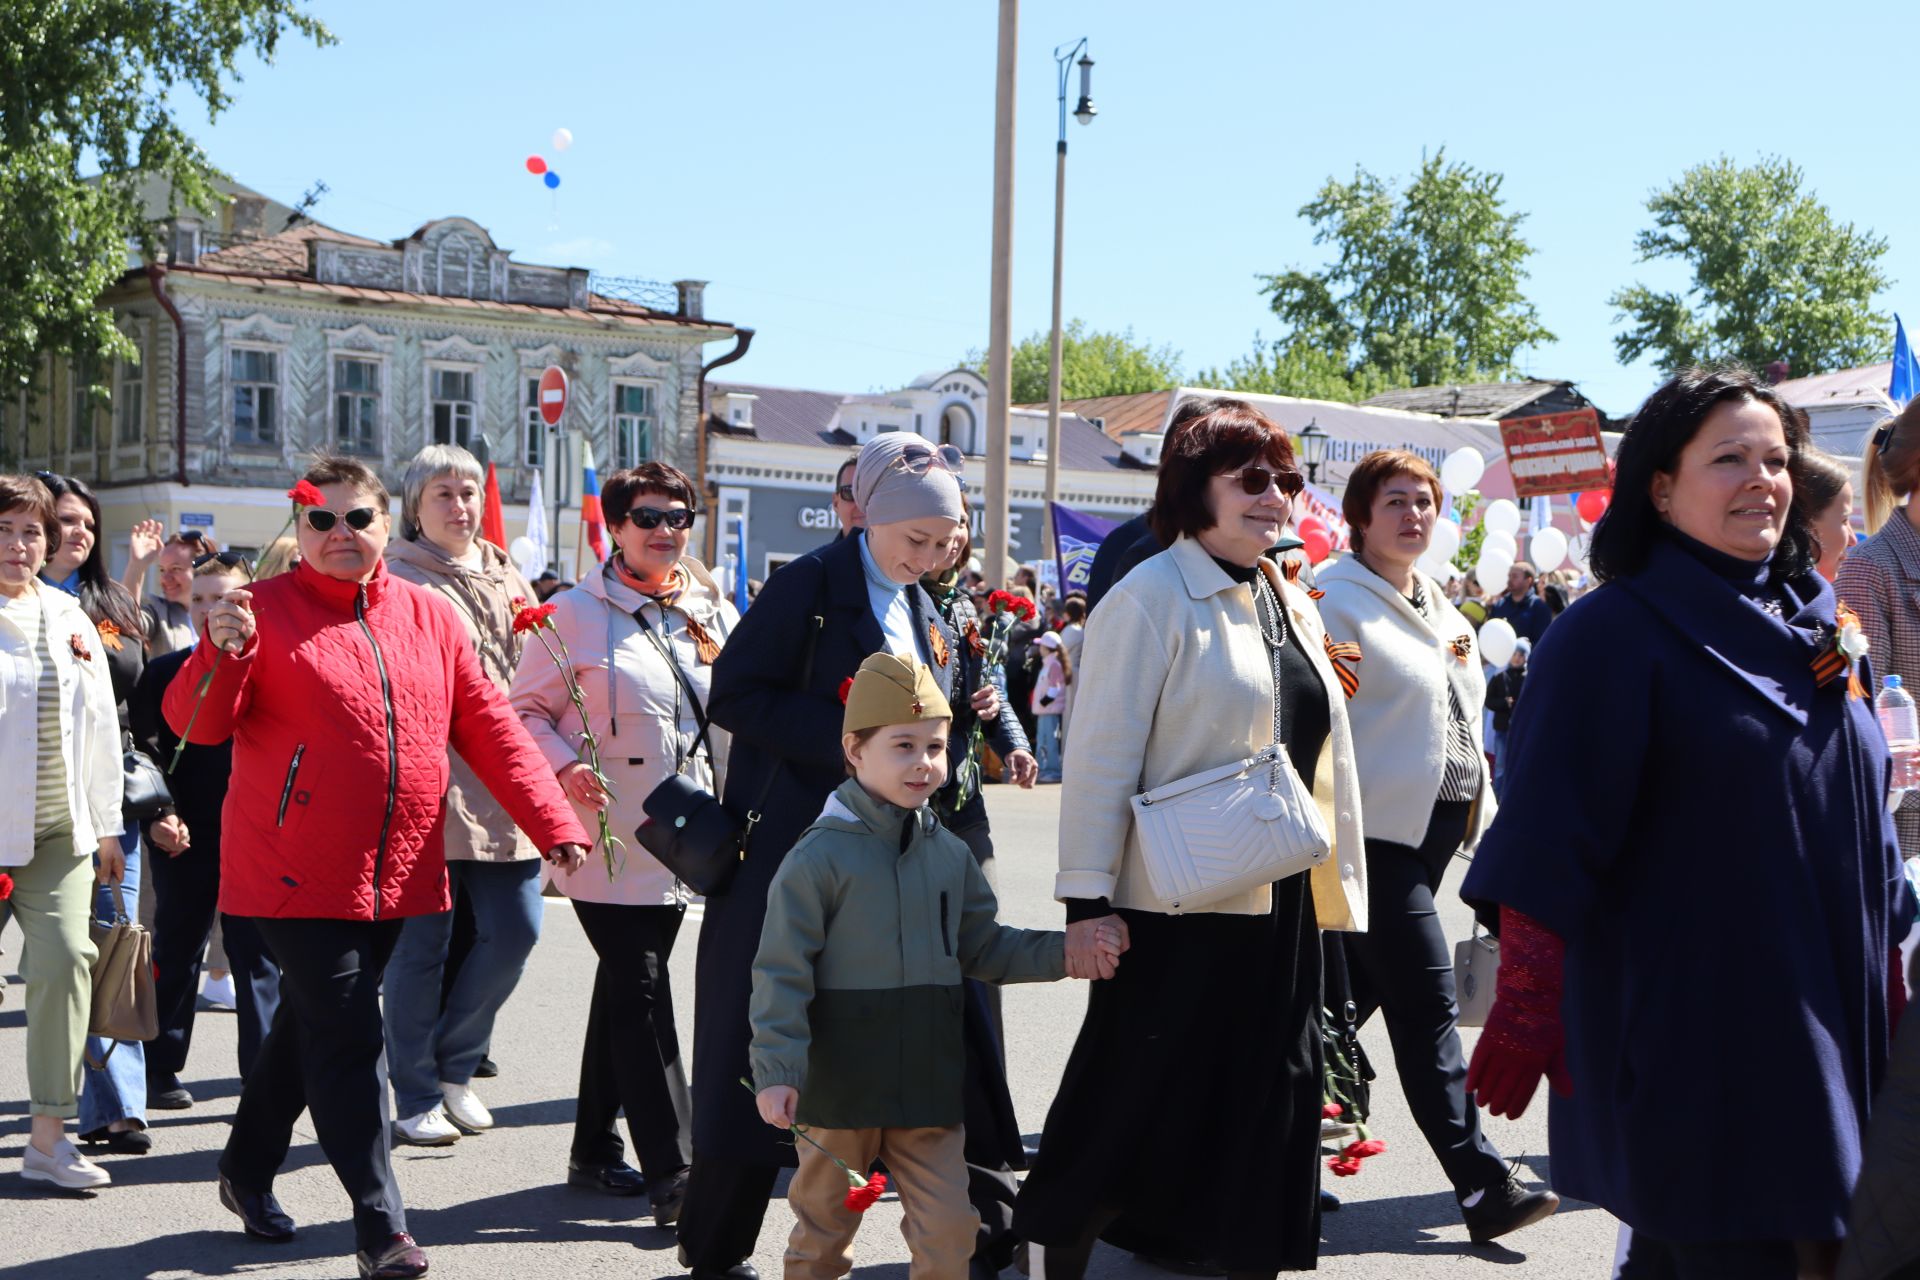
(553,394)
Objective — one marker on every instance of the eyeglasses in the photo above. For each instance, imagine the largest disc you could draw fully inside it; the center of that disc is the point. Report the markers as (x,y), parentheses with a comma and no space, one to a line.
(321,520)
(844,493)
(918,459)
(1254,480)
(227,559)
(654,517)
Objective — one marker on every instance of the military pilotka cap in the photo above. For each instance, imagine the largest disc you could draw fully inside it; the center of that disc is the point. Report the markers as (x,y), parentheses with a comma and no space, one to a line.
(893,690)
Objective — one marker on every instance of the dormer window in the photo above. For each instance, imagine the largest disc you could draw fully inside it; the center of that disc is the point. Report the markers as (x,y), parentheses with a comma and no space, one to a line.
(455,264)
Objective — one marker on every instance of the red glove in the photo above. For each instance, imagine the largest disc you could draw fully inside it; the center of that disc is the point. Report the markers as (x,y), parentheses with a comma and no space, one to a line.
(1523,1039)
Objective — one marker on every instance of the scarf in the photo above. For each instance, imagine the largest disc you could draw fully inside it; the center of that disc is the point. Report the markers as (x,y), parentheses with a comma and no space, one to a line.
(667,595)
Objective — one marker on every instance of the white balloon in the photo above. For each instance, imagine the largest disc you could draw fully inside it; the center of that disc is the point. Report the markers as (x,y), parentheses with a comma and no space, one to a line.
(1496,641)
(1549,548)
(562,139)
(1578,549)
(1492,569)
(1462,470)
(1438,567)
(1502,516)
(1446,539)
(522,549)
(1505,541)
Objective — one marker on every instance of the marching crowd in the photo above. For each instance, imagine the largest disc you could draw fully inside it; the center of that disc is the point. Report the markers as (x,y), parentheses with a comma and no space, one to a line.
(379,751)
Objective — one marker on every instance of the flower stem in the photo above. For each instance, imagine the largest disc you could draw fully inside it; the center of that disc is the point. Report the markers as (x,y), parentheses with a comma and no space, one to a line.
(564,661)
(800,1131)
(199,699)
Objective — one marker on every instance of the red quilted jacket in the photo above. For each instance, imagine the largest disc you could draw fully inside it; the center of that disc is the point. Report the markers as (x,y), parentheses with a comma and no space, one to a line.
(341,709)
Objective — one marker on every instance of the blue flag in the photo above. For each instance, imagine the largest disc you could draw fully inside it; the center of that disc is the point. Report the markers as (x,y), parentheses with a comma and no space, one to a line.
(1075,539)
(1906,370)
(740,566)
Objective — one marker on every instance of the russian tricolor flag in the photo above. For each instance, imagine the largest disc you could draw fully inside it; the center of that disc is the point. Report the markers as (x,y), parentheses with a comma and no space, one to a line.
(592,523)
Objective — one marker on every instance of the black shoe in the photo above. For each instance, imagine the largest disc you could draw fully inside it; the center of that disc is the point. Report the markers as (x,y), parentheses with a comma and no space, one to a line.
(399,1259)
(1329,1202)
(487,1069)
(666,1199)
(616,1179)
(259,1212)
(125,1142)
(738,1271)
(1507,1207)
(166,1093)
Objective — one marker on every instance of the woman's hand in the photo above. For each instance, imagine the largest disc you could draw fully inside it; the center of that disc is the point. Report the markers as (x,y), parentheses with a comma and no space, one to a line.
(111,865)
(986,702)
(230,622)
(145,542)
(582,787)
(567,857)
(1094,947)
(170,835)
(1022,769)
(778,1105)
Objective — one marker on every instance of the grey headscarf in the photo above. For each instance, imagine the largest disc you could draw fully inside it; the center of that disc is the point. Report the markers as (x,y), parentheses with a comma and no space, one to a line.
(889,494)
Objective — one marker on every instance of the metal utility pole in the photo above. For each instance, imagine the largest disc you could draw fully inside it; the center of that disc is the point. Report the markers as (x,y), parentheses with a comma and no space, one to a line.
(1000,319)
(1084,113)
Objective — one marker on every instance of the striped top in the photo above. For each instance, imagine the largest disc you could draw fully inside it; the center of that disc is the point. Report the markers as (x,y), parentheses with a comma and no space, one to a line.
(29,613)
(1465,766)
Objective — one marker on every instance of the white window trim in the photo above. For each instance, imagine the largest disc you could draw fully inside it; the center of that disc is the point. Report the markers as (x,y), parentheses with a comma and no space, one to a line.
(136,331)
(655,391)
(383,416)
(279,443)
(479,401)
(530,420)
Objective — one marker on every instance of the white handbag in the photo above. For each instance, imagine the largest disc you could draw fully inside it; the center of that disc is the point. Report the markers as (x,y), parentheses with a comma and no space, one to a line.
(1215,835)
(1476,969)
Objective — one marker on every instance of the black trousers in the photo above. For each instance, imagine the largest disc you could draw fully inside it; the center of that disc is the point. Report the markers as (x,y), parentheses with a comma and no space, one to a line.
(1403,967)
(326,1053)
(631,1059)
(1650,1259)
(186,899)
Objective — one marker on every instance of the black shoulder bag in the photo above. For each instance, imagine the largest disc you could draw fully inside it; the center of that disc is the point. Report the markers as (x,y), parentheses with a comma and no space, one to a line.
(687,828)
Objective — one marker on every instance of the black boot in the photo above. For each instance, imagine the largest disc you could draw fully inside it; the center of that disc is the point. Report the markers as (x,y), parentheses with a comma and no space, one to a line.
(1507,1207)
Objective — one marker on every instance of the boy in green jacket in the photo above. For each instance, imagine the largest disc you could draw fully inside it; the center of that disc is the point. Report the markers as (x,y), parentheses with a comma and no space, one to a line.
(873,920)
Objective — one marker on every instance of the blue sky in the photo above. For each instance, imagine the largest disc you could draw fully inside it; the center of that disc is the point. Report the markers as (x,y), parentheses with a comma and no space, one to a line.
(828,166)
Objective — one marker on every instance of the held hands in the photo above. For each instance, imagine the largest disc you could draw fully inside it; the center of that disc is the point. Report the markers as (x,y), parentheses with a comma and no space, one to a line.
(986,702)
(778,1104)
(1023,770)
(583,788)
(566,857)
(1094,947)
(230,623)
(145,542)
(170,835)
(111,866)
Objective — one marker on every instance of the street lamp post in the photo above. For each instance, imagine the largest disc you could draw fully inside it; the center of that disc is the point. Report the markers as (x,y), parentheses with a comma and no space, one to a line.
(1000,281)
(1313,449)
(1084,113)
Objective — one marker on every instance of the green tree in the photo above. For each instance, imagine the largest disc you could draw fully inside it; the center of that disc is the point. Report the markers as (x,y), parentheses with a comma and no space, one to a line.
(94,83)
(1425,283)
(1302,367)
(1091,364)
(1775,277)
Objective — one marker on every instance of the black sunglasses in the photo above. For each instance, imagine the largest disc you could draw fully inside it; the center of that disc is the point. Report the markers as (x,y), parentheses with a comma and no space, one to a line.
(654,517)
(1254,481)
(191,535)
(321,520)
(229,559)
(844,493)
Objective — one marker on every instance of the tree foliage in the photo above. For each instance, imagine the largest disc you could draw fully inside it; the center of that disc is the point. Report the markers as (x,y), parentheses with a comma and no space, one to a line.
(92,83)
(1424,287)
(1775,276)
(1092,364)
(1300,368)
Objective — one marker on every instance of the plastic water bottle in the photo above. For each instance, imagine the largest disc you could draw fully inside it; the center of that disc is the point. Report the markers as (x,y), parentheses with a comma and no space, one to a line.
(1901,724)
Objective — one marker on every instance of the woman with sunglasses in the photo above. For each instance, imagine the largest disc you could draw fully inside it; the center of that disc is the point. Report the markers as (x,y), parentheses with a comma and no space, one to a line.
(1416,708)
(1202,656)
(643,632)
(342,687)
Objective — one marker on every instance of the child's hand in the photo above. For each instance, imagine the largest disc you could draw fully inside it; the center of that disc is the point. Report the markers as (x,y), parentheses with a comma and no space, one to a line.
(778,1103)
(1108,943)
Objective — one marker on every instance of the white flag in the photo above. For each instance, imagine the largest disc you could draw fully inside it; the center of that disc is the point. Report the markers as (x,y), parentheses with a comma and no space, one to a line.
(536,562)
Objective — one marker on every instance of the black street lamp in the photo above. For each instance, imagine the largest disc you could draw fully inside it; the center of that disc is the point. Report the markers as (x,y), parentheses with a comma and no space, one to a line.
(1084,113)
(1313,449)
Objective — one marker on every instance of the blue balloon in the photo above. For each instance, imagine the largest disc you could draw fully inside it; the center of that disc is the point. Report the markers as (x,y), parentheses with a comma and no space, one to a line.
(552,179)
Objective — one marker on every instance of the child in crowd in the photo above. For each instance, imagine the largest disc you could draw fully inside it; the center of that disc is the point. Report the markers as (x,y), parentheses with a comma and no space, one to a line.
(872,921)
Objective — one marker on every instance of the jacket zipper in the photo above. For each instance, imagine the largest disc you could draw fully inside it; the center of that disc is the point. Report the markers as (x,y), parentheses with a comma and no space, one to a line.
(393,746)
(286,792)
(945,945)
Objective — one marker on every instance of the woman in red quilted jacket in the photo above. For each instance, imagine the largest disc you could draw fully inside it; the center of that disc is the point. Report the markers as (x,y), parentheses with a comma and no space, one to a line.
(341,687)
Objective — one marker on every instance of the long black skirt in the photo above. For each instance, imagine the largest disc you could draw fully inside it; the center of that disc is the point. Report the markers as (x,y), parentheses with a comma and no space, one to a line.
(1191,1105)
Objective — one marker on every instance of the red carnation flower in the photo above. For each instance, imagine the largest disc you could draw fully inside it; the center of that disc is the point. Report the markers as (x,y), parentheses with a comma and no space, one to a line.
(1344,1168)
(846,688)
(861,1199)
(306,495)
(6,886)
(533,617)
(1370,1147)
(1331,1111)
(1025,608)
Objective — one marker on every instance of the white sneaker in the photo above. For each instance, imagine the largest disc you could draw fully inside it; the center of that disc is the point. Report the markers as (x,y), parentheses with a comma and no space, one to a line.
(65,1168)
(464,1108)
(428,1129)
(218,993)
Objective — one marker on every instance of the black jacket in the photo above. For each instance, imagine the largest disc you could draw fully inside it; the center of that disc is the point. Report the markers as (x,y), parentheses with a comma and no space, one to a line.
(199,785)
(1502,692)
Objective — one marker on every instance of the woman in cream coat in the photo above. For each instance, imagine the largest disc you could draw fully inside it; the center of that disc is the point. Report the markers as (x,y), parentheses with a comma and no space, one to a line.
(1416,709)
(1179,676)
(53,681)
(647,730)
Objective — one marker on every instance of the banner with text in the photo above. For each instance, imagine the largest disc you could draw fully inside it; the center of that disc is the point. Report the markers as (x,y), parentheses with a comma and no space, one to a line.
(1076,538)
(1555,453)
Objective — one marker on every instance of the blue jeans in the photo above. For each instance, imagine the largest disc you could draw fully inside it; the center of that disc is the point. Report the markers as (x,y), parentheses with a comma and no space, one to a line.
(1046,732)
(426,1045)
(1497,744)
(119,1091)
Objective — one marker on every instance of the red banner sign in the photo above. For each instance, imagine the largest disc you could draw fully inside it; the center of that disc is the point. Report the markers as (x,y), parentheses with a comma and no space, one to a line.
(1555,453)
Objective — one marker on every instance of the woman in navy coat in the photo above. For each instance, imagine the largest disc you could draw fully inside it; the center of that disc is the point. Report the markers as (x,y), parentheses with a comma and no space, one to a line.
(1697,879)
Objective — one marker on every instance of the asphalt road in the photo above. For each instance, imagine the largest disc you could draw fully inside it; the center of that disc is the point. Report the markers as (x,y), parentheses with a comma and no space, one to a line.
(497,1205)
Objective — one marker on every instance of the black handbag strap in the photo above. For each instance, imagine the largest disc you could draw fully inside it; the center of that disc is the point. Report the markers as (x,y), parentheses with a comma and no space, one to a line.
(699,712)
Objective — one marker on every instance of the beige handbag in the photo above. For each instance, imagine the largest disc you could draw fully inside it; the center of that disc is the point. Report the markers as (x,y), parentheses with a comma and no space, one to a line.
(1476,968)
(124,1007)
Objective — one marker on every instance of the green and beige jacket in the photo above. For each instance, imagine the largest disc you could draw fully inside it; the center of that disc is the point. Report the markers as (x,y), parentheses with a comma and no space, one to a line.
(872,921)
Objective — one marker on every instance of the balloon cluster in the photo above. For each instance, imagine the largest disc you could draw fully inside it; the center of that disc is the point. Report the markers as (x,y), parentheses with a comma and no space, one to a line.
(537,165)
(1317,537)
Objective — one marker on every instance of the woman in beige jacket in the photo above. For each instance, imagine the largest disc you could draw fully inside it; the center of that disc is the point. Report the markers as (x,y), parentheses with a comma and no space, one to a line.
(432,1052)
(1201,656)
(648,605)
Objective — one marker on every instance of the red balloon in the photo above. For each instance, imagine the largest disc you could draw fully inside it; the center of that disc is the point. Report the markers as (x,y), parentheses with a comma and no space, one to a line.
(1593,504)
(1318,544)
(1309,524)
(536,165)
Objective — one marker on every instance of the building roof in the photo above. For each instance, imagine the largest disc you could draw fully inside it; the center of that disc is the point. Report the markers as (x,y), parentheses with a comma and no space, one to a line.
(1470,399)
(283,253)
(1867,384)
(1120,415)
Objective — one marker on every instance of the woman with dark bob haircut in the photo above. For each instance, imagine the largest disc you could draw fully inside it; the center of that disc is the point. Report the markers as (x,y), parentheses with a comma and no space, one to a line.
(1202,656)
(1697,767)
